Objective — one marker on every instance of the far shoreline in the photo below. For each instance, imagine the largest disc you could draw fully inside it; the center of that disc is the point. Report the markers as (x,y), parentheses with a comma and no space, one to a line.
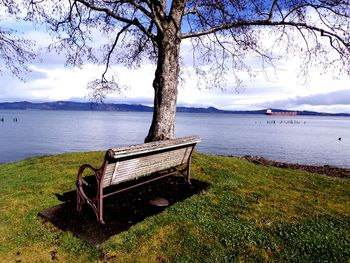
(132,107)
(328,170)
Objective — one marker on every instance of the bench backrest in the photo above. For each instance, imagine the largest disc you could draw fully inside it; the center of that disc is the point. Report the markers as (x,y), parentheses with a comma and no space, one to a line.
(131,162)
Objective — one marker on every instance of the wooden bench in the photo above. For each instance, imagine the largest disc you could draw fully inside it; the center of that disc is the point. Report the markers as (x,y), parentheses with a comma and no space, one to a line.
(161,158)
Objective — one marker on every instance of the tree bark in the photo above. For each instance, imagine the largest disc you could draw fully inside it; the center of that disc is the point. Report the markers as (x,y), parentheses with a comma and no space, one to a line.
(165,86)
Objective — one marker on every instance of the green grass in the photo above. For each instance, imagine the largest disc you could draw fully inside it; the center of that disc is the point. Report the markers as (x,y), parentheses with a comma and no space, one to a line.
(248,214)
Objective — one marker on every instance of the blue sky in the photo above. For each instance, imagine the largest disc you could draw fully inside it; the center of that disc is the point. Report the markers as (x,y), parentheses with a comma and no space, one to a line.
(280,87)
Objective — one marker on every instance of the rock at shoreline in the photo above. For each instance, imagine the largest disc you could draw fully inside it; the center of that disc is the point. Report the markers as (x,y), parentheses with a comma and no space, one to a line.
(325,169)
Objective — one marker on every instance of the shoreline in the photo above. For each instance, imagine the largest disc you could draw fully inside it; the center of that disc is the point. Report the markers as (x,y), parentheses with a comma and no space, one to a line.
(327,170)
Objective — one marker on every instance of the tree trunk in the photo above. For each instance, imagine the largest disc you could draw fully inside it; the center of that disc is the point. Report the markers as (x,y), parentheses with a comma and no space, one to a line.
(165,87)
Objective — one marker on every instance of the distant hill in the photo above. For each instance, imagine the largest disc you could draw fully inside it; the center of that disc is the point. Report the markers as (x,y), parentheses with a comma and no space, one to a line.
(70,105)
(89,106)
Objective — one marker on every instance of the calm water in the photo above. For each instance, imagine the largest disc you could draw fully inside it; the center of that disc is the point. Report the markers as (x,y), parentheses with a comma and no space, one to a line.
(308,140)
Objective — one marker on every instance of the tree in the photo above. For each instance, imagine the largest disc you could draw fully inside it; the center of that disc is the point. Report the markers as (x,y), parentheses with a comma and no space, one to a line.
(222,32)
(15,52)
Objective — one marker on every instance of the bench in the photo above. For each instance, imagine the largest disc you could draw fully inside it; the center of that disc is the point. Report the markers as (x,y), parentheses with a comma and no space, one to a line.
(124,164)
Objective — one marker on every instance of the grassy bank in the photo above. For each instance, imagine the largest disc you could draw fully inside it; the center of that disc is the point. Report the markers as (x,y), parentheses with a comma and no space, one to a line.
(249,213)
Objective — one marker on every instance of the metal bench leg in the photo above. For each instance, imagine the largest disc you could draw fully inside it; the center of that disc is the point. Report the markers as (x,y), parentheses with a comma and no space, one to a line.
(188,179)
(100,208)
(187,171)
(96,203)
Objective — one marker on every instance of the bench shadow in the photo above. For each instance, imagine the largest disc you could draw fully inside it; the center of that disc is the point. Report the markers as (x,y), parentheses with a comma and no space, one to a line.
(121,211)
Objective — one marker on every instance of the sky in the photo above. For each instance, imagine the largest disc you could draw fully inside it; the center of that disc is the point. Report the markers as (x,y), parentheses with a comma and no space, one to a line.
(279,87)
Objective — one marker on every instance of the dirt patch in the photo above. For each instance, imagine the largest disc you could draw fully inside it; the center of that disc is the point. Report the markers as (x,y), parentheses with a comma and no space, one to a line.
(325,169)
(121,211)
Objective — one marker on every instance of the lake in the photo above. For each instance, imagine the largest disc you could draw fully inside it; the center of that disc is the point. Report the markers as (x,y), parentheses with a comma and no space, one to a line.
(298,139)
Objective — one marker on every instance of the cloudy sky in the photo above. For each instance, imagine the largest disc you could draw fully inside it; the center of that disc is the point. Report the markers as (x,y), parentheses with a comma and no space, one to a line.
(280,87)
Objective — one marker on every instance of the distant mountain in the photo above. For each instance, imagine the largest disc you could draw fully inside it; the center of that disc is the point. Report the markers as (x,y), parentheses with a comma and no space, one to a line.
(86,106)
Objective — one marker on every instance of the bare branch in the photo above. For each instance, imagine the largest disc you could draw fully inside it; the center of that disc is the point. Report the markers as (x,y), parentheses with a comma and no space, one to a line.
(272,9)
(15,52)
(112,14)
(267,23)
(112,50)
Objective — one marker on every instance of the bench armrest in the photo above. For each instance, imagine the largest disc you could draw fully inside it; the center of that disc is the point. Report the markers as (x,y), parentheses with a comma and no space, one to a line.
(81,170)
(89,166)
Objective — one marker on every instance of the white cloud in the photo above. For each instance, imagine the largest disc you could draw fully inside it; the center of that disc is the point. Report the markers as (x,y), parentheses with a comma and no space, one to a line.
(60,83)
